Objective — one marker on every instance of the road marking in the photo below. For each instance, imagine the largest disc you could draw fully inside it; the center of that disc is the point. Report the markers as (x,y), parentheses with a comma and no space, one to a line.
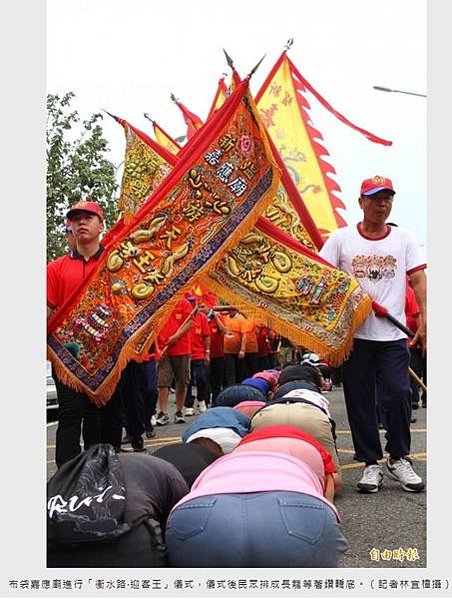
(412,430)
(419,457)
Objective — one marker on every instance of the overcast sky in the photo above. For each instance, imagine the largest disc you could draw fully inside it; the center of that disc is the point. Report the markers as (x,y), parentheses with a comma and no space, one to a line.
(127,57)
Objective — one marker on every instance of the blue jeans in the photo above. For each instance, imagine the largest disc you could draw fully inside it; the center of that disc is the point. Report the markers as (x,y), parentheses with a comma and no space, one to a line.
(389,361)
(271,529)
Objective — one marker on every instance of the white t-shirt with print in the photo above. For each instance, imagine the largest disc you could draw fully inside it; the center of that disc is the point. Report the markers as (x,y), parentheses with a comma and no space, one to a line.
(380,267)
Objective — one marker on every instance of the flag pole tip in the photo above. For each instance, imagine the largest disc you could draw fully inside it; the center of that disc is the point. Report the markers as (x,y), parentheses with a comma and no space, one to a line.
(228,59)
(256,67)
(109,113)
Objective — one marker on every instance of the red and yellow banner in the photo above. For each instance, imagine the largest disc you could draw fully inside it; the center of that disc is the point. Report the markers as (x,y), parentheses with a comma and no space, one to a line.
(284,112)
(207,204)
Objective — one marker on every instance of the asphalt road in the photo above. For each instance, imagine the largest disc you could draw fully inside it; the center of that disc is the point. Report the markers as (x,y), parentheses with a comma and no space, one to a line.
(385,529)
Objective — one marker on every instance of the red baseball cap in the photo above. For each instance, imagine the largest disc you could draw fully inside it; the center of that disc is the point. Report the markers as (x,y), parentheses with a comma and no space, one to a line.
(376,184)
(85,206)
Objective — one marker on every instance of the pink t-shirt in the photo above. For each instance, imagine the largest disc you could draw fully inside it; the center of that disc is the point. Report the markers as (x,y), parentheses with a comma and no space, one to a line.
(254,472)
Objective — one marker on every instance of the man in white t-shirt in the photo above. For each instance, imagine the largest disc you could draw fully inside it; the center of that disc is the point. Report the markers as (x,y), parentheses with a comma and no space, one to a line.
(380,257)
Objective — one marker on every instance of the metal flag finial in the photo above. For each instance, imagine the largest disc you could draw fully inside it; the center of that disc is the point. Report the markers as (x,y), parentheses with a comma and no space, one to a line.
(109,113)
(256,67)
(228,59)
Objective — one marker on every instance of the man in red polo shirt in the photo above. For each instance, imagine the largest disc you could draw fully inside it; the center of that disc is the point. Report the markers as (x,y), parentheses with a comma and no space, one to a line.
(64,276)
(174,347)
(200,360)
(216,364)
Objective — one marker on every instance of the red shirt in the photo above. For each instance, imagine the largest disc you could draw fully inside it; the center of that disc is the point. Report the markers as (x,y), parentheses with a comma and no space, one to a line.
(216,338)
(411,309)
(66,274)
(182,347)
(198,333)
(262,341)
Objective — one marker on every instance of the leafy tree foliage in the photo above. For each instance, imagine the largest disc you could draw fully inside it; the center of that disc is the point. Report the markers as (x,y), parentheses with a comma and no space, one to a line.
(76,168)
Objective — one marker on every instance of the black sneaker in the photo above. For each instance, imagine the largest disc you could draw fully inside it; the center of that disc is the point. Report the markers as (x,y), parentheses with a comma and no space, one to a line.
(162,419)
(126,440)
(138,444)
(150,433)
(178,418)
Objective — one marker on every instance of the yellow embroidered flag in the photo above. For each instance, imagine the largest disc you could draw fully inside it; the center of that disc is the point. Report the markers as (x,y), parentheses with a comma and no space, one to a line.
(210,200)
(145,166)
(276,279)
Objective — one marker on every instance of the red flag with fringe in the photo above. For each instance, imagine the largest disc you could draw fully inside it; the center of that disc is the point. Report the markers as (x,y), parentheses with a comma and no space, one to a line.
(193,122)
(201,209)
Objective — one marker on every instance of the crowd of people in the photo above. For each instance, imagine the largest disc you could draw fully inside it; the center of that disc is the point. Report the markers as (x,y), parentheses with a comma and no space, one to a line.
(253,480)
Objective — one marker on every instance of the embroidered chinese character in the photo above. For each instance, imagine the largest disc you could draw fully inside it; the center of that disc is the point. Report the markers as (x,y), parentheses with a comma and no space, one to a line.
(267,115)
(194,178)
(238,186)
(287,99)
(154,276)
(227,142)
(225,171)
(128,250)
(275,90)
(249,169)
(144,260)
(213,158)
(193,211)
(171,235)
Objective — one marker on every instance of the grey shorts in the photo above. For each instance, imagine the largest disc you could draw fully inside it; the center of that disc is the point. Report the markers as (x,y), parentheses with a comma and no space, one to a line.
(177,367)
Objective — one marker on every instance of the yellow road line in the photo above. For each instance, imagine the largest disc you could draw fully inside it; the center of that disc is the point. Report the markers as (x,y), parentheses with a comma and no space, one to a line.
(419,457)
(412,430)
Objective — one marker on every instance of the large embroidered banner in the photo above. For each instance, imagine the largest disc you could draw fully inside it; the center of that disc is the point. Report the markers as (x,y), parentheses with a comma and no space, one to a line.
(275,278)
(288,210)
(211,199)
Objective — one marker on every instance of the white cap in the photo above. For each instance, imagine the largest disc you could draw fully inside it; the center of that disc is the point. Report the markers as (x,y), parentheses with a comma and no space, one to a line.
(226,438)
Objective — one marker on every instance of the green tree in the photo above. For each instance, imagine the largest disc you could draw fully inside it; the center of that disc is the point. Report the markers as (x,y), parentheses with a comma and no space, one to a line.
(76,168)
